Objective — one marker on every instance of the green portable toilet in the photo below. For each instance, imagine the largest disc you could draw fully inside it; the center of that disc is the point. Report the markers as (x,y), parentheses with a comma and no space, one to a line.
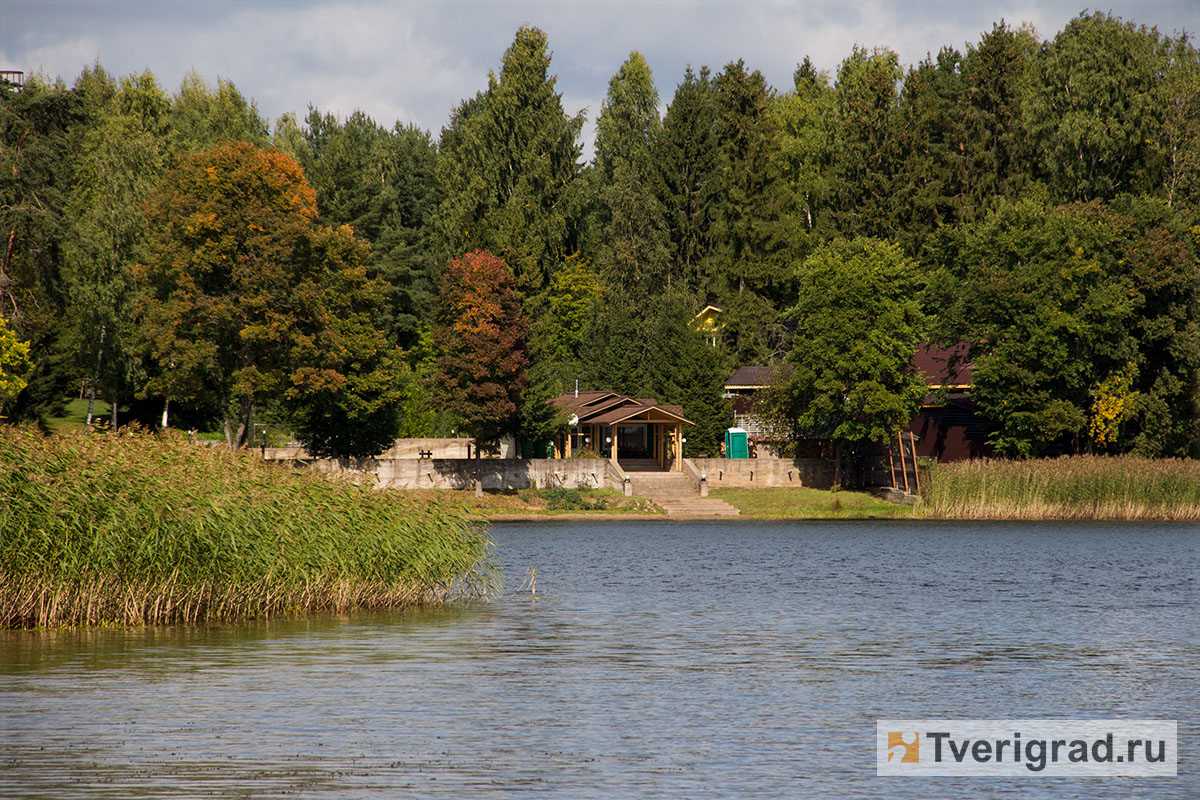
(736,443)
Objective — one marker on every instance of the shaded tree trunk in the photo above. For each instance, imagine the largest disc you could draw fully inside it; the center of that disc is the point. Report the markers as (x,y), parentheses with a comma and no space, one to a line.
(96,380)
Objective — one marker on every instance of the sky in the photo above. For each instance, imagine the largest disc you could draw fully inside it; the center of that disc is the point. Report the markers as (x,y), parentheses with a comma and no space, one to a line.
(413,61)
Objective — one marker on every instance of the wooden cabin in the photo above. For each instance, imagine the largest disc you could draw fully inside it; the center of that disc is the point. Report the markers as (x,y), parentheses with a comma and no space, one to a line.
(622,428)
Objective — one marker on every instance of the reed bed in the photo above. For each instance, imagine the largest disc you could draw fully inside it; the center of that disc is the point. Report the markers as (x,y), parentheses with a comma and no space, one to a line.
(143,529)
(1068,488)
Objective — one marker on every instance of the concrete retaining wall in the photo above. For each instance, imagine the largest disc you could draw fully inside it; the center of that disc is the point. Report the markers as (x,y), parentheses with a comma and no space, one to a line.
(410,448)
(495,473)
(572,473)
(759,473)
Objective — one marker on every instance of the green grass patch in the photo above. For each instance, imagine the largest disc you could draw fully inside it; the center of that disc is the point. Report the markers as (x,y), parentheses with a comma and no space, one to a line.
(74,416)
(788,502)
(142,529)
(551,502)
(1074,487)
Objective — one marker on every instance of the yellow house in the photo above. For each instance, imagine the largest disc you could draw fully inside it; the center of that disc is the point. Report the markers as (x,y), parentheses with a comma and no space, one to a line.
(708,322)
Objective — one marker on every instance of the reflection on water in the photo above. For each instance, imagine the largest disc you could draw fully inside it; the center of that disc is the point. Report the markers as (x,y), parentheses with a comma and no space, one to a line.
(658,660)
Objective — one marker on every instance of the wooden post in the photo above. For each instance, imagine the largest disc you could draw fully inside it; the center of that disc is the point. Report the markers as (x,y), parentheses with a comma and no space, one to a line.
(892,463)
(903,466)
(567,444)
(912,443)
(678,447)
(612,432)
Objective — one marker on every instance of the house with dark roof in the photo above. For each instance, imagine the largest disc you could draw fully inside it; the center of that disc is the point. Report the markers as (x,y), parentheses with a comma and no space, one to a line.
(743,387)
(948,427)
(625,429)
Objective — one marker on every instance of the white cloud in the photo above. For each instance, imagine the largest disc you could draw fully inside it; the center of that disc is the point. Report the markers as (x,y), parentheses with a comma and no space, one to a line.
(416,60)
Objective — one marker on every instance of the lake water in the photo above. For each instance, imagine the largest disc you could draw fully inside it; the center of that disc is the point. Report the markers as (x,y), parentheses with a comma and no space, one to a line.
(656,660)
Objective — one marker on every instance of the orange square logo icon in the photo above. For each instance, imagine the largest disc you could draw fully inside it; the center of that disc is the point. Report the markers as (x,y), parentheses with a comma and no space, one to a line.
(905,745)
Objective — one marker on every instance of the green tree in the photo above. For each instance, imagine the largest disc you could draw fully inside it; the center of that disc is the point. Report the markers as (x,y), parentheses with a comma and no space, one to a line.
(746,238)
(508,163)
(867,146)
(119,160)
(931,175)
(558,335)
(1178,148)
(993,140)
(1096,107)
(345,387)
(634,247)
(383,184)
(858,326)
(641,346)
(480,337)
(236,266)
(1059,303)
(15,365)
(202,117)
(35,125)
(687,155)
(749,235)
(802,154)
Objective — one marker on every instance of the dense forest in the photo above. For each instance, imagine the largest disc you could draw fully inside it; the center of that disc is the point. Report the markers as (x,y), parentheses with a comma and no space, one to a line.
(1037,201)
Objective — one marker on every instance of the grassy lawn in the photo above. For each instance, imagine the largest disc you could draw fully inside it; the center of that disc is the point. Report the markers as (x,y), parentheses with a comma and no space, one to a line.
(556,501)
(799,503)
(74,416)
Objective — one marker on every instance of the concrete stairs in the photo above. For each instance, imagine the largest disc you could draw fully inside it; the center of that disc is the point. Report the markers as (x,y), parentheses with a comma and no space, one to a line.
(678,496)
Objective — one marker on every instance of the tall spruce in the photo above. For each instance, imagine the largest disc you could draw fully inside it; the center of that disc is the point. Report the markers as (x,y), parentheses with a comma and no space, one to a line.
(635,247)
(748,252)
(509,161)
(997,74)
(867,148)
(688,159)
(931,175)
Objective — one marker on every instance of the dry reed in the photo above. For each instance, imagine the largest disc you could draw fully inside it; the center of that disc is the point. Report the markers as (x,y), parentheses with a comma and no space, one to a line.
(1068,488)
(142,529)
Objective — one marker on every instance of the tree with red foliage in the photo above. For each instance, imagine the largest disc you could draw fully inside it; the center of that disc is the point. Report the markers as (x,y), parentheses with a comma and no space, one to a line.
(480,338)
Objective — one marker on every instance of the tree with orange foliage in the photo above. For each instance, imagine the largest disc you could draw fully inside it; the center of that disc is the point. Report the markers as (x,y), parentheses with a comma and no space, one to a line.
(480,338)
(246,298)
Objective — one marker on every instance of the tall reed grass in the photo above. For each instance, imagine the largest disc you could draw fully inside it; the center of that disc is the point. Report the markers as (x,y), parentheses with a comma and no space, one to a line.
(144,529)
(1075,487)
